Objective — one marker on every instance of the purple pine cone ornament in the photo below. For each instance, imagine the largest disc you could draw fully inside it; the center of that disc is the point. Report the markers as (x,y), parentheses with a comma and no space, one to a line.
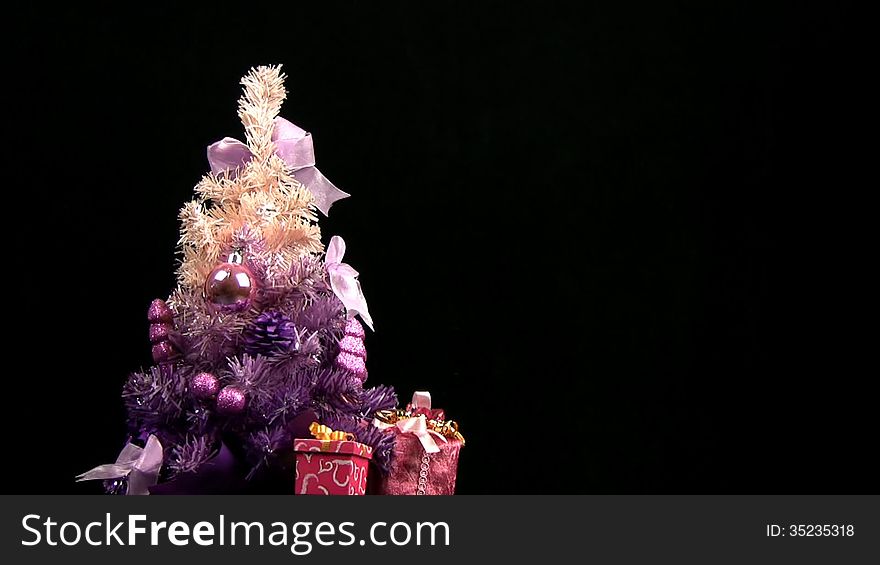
(271,332)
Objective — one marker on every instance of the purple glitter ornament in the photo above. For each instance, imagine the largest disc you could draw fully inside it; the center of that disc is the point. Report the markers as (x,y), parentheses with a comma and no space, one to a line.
(164,352)
(204,385)
(230,286)
(159,331)
(353,345)
(160,312)
(231,400)
(352,363)
(354,328)
(352,352)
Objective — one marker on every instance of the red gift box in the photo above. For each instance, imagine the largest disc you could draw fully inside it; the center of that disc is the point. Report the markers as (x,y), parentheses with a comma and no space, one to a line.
(425,461)
(331,467)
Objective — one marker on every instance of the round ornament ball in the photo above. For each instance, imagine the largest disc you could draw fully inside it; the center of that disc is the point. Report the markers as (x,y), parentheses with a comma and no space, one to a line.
(230,286)
(231,400)
(159,331)
(164,352)
(160,312)
(204,385)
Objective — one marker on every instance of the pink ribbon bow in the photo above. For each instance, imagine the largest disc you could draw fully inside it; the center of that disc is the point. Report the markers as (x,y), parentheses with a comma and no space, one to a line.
(294,145)
(417,425)
(344,282)
(140,464)
(421,404)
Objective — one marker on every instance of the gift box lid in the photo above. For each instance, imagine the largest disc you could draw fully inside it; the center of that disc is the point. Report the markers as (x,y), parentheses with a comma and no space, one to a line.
(333,446)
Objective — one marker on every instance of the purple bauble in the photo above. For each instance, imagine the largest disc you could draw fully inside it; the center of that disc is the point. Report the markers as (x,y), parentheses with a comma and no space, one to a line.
(204,385)
(164,352)
(160,312)
(231,400)
(230,286)
(159,331)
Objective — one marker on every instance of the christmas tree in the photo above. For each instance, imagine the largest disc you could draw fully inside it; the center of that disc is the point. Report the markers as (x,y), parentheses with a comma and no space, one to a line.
(260,337)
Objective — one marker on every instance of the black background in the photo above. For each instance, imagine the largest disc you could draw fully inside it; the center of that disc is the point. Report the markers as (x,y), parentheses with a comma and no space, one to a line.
(614,241)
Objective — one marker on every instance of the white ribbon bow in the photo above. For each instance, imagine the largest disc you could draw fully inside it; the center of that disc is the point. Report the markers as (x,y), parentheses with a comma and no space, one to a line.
(421,399)
(140,464)
(343,281)
(294,145)
(416,425)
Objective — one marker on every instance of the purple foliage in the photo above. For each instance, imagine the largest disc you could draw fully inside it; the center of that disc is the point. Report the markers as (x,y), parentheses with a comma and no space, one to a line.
(190,455)
(280,353)
(381,442)
(377,398)
(155,398)
(365,433)
(264,446)
(323,313)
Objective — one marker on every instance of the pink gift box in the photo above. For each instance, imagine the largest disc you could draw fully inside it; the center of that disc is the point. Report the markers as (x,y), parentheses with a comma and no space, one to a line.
(328,467)
(423,461)
(414,471)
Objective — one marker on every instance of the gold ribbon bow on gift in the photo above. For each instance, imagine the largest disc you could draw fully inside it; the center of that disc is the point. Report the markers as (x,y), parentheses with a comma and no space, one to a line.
(324,433)
(418,424)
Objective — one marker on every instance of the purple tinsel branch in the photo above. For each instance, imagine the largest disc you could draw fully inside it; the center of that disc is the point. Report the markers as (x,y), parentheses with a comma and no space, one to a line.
(325,312)
(305,282)
(336,389)
(198,420)
(190,455)
(307,355)
(263,446)
(281,404)
(206,337)
(364,432)
(380,397)
(382,443)
(249,372)
(308,276)
(155,398)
